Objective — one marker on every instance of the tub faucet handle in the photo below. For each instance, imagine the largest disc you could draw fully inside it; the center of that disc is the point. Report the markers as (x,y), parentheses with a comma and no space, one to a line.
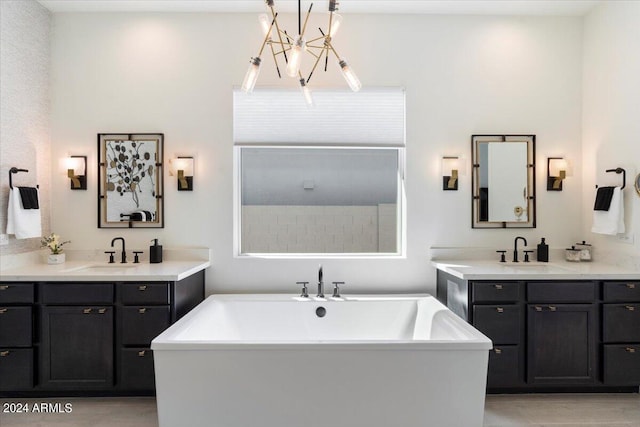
(336,289)
(305,291)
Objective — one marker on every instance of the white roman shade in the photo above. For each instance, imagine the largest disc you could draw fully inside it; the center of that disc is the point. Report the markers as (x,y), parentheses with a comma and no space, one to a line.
(372,116)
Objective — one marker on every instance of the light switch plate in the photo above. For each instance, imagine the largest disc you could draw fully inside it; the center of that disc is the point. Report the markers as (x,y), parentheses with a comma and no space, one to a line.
(626,238)
(4,239)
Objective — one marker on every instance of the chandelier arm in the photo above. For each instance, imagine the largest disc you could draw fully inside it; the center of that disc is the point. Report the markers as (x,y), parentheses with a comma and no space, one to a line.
(314,46)
(333,50)
(273,53)
(306,19)
(266,37)
(315,65)
(274,14)
(315,40)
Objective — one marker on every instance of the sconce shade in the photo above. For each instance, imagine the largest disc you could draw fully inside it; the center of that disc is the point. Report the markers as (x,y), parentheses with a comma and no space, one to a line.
(184,170)
(76,167)
(452,168)
(557,171)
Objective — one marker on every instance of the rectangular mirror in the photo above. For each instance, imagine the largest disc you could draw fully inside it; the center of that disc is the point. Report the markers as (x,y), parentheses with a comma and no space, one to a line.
(503,181)
(130,180)
(319,200)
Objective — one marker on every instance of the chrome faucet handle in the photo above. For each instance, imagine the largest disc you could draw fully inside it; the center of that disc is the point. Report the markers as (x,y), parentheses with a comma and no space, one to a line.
(305,291)
(336,289)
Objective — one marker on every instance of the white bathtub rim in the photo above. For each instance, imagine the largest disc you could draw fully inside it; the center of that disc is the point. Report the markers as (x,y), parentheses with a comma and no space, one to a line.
(166,340)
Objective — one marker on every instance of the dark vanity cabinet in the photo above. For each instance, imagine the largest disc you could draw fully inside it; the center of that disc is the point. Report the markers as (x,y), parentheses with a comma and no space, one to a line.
(76,336)
(86,338)
(497,311)
(145,312)
(16,336)
(553,335)
(621,332)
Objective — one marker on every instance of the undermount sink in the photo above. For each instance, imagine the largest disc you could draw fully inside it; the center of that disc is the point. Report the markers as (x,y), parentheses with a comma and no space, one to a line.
(103,268)
(533,268)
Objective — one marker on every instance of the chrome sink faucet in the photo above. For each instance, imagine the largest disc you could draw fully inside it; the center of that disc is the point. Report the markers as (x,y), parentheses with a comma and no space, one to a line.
(320,283)
(515,247)
(124,252)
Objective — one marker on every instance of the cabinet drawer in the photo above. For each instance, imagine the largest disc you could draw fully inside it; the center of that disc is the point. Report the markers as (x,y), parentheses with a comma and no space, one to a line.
(621,291)
(148,293)
(136,372)
(561,292)
(622,365)
(16,369)
(496,292)
(142,324)
(15,326)
(501,323)
(504,367)
(16,293)
(77,293)
(621,322)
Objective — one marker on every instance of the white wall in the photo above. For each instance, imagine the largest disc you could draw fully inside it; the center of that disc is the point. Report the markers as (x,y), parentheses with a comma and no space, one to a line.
(611,102)
(25,112)
(174,73)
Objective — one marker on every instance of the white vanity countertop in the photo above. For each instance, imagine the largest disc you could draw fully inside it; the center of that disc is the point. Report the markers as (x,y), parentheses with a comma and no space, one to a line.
(562,270)
(102,271)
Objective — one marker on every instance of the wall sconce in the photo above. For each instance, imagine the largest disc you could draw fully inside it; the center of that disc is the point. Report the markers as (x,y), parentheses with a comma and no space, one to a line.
(557,171)
(183,169)
(76,167)
(452,168)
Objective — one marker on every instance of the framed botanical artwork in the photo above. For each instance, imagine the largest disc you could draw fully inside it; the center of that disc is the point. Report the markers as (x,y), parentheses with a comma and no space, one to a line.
(130,176)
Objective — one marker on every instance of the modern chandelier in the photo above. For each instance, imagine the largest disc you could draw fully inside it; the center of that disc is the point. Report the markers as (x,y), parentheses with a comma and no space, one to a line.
(290,48)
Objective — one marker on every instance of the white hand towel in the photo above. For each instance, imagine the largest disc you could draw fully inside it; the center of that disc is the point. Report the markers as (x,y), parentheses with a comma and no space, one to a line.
(24,223)
(611,221)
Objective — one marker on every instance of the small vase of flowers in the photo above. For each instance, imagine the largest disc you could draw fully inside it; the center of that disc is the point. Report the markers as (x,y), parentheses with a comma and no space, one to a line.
(56,254)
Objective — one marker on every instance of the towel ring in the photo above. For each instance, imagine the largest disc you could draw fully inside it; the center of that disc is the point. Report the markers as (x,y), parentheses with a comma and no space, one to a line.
(624,176)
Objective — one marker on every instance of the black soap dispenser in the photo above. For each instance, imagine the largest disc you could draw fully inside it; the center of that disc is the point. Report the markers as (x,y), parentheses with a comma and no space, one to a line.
(543,251)
(155,252)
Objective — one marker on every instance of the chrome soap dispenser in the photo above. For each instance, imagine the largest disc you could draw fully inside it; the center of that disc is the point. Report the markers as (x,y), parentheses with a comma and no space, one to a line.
(155,252)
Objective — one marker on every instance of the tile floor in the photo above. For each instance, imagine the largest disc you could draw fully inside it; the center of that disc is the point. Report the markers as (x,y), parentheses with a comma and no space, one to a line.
(563,410)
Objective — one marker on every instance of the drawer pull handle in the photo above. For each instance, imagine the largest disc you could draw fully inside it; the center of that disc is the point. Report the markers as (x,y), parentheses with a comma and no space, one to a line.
(4,287)
(4,353)
(631,285)
(552,308)
(500,310)
(498,351)
(630,350)
(497,286)
(87,311)
(142,310)
(141,353)
(630,308)
(538,308)
(142,288)
(3,310)
(102,310)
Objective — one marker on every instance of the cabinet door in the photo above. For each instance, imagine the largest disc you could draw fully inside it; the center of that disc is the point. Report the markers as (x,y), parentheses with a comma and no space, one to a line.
(505,367)
(77,348)
(562,344)
(142,324)
(501,323)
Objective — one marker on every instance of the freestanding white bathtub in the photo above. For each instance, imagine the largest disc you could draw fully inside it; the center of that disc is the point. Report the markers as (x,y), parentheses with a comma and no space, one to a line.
(272,361)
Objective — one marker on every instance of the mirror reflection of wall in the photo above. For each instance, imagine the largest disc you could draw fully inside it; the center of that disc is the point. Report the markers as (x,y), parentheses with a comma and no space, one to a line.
(503,181)
(319,200)
(507,179)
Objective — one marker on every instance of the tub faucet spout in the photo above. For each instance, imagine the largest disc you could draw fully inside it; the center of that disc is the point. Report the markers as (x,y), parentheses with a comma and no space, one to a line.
(515,247)
(320,283)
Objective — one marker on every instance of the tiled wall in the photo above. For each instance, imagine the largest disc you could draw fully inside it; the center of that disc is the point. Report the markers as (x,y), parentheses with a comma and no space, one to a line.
(25,108)
(308,229)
